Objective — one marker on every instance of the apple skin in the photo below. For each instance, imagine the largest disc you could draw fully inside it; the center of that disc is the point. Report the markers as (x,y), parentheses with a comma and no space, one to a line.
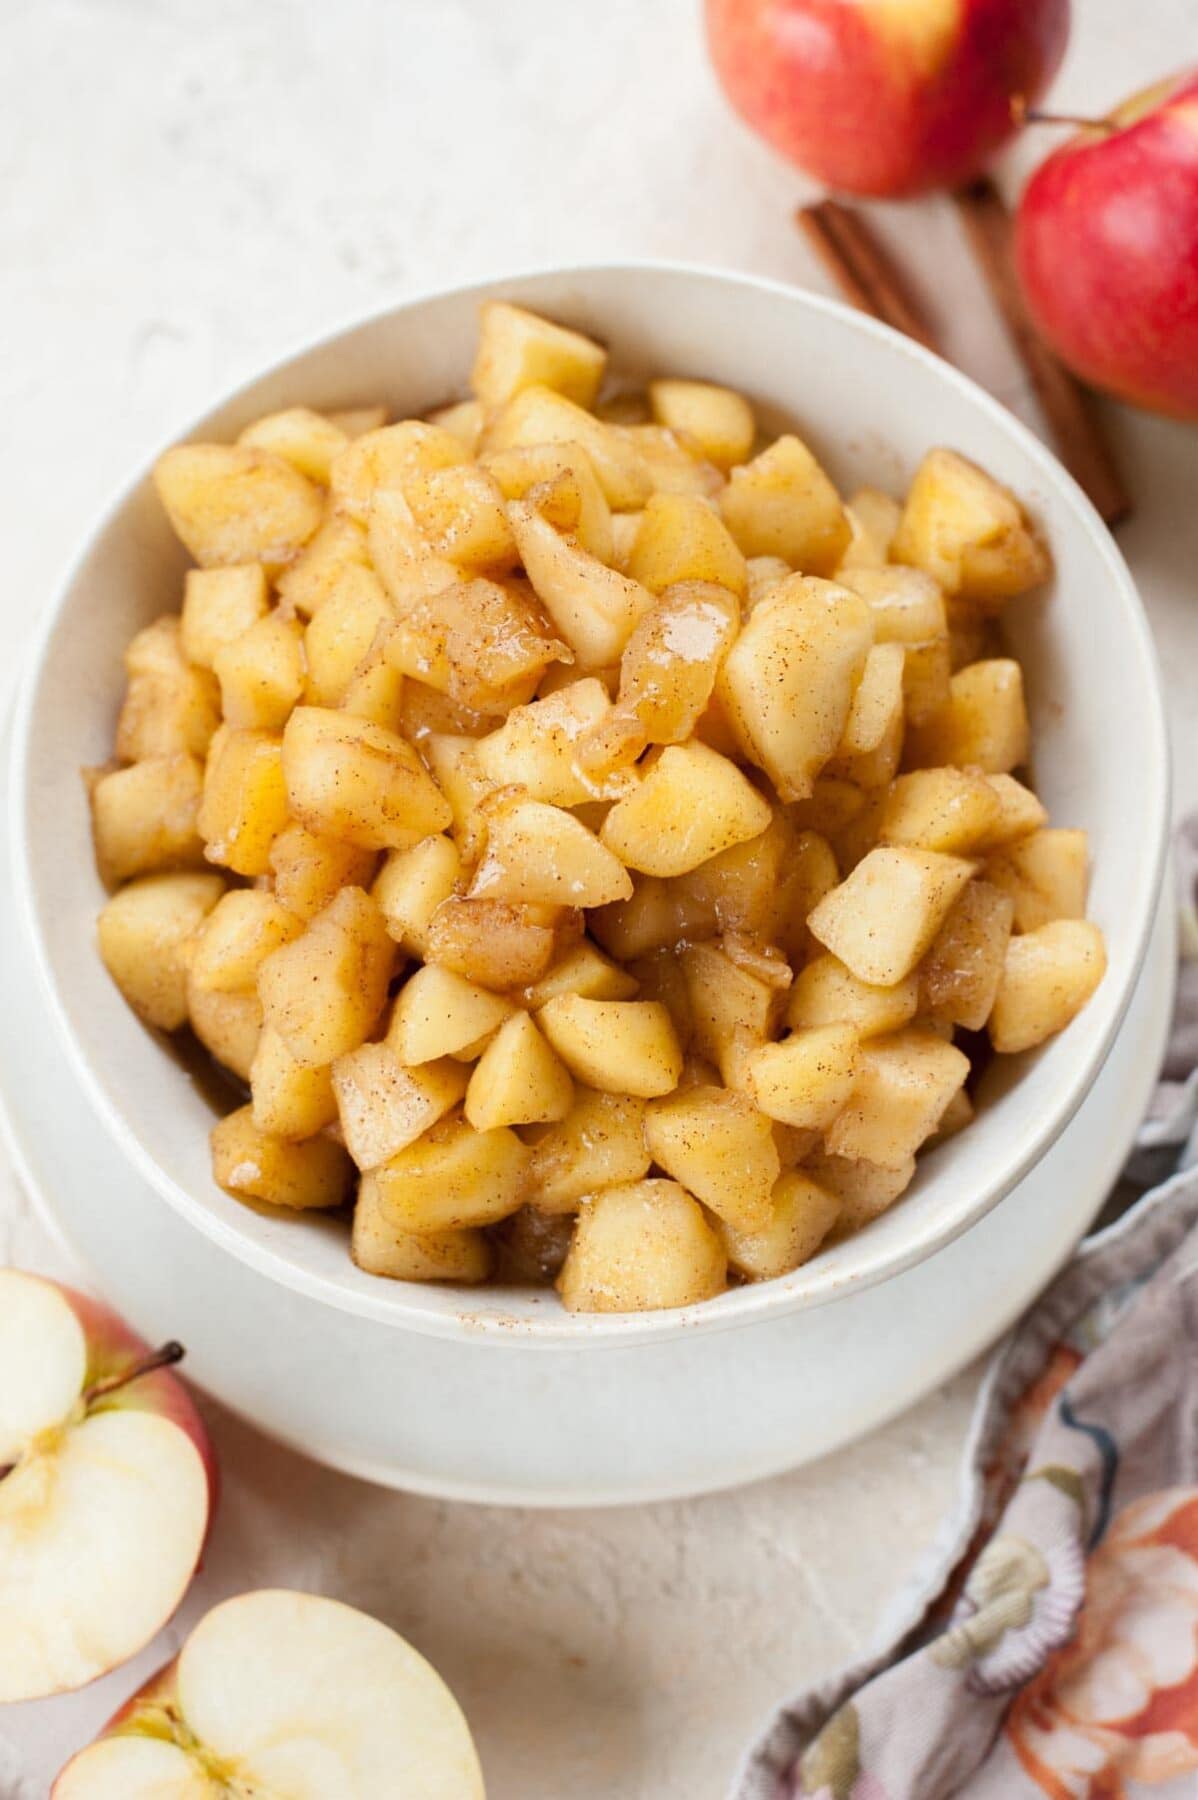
(888,100)
(1106,246)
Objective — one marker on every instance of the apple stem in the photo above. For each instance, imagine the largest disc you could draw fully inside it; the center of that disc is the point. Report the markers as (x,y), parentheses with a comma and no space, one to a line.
(162,1358)
(1023,114)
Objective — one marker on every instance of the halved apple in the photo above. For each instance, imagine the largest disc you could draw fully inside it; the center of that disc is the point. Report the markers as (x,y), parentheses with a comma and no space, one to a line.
(107,1484)
(280,1693)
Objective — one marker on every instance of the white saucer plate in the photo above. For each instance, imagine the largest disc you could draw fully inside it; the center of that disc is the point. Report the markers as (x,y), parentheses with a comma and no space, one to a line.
(554,1425)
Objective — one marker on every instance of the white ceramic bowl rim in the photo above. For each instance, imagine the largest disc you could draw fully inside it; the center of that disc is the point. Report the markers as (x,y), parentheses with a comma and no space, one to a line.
(817,1283)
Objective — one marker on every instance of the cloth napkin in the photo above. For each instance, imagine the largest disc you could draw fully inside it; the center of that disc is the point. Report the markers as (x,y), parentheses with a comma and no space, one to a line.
(1050,1647)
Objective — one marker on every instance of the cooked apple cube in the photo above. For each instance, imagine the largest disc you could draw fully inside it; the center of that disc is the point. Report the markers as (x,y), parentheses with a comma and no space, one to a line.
(865,1190)
(289,1099)
(261,673)
(647,922)
(307,440)
(719,420)
(458,773)
(765,573)
(745,889)
(218,605)
(536,746)
(169,708)
(1020,813)
(144,933)
(230,503)
(438,1013)
(536,415)
(244,806)
(349,779)
(619,1046)
(593,606)
(241,931)
(902,1086)
(387,459)
(518,1080)
(882,918)
(962,970)
(952,811)
(380,1248)
(539,855)
(465,419)
(341,635)
(801,1215)
(324,991)
(811,872)
(323,564)
(959,1113)
(1046,876)
(410,887)
(730,1007)
(787,684)
(453,1176)
(873,518)
(384,1107)
(908,609)
(309,869)
(490,942)
(1048,976)
(639,1248)
(674,461)
(228,1025)
(826,993)
(460,513)
(782,504)
(484,644)
(600,1143)
(252,1165)
(869,750)
(582,969)
(805,1080)
(692,804)
(968,531)
(406,565)
(517,349)
(375,692)
(720,1147)
(144,818)
(984,725)
(681,538)
(539,466)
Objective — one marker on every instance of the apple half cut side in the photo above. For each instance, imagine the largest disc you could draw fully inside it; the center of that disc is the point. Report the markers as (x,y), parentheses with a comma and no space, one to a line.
(284,1696)
(107,1485)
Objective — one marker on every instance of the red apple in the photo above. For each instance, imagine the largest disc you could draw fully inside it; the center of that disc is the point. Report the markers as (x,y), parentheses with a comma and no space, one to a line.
(284,1693)
(885,97)
(1106,243)
(107,1485)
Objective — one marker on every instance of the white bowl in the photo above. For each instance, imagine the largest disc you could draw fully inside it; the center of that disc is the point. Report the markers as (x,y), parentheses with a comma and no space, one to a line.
(871,402)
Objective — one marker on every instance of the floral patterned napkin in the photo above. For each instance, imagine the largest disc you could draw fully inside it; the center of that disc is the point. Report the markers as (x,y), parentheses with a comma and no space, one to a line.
(1053,1648)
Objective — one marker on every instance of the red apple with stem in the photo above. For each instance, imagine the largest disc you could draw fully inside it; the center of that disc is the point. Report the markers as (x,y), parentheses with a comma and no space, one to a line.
(1106,245)
(107,1486)
(886,97)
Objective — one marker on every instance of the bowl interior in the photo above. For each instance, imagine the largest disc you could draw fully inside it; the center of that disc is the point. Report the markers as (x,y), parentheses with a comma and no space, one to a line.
(871,404)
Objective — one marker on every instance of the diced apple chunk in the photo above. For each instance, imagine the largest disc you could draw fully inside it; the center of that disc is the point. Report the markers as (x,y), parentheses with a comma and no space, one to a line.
(380,1248)
(526,467)
(237,937)
(1045,875)
(384,1107)
(600,1143)
(865,1190)
(825,992)
(410,887)
(491,942)
(691,804)
(451,1177)
(787,684)
(641,1247)
(539,855)
(290,1099)
(536,746)
(619,1046)
(801,1215)
(873,520)
(1048,976)
(984,725)
(872,742)
(261,673)
(353,780)
(682,539)
(228,1025)
(805,1080)
(783,504)
(949,810)
(144,933)
(961,973)
(387,459)
(730,1007)
(719,420)
(307,440)
(593,606)
(252,1165)
(324,991)
(968,531)
(169,706)
(903,1084)
(885,915)
(584,970)
(1020,813)
(438,1013)
(244,807)
(460,513)
(231,503)
(309,869)
(720,1147)
(536,415)
(518,1080)
(341,635)
(218,605)
(517,349)
(145,818)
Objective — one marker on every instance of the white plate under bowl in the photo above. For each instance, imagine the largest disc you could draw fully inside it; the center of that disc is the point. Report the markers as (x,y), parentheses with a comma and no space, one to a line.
(872,402)
(553,1424)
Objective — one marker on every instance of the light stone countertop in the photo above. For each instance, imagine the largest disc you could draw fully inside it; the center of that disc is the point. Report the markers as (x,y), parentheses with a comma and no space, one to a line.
(185,190)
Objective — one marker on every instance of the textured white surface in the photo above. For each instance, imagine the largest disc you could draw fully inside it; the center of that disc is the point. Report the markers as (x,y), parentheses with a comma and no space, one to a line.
(185,190)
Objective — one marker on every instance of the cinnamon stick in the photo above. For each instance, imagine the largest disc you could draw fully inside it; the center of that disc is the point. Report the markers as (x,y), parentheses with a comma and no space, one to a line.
(865,272)
(1080,440)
